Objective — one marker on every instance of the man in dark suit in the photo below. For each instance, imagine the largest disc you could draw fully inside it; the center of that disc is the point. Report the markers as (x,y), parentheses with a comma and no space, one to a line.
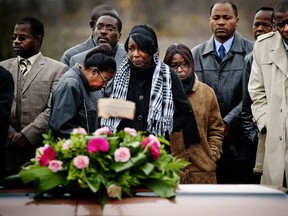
(6,98)
(35,78)
(90,42)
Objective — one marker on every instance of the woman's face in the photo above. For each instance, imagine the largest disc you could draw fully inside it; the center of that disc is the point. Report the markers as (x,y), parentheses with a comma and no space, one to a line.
(98,79)
(138,57)
(181,66)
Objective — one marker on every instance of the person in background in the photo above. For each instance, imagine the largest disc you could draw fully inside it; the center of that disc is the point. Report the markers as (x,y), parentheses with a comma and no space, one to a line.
(161,104)
(268,89)
(107,29)
(6,99)
(203,155)
(263,23)
(73,104)
(219,62)
(90,42)
(35,77)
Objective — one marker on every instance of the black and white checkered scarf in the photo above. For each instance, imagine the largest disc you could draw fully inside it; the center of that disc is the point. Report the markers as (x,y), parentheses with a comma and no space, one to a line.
(161,107)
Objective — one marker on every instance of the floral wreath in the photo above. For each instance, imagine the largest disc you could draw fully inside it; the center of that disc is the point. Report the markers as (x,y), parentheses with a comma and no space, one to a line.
(106,164)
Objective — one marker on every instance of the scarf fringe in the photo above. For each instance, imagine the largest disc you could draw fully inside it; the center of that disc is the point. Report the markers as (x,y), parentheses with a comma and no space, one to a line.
(161,107)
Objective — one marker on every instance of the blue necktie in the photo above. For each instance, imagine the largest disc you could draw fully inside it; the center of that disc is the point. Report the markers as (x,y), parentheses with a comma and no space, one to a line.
(222,52)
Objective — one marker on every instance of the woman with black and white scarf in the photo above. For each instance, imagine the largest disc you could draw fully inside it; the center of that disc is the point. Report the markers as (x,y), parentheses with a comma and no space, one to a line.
(162,106)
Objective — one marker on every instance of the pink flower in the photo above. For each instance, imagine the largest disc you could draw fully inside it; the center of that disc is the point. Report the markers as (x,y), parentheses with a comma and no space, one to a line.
(153,145)
(149,140)
(154,150)
(79,131)
(81,161)
(122,154)
(55,165)
(40,150)
(102,131)
(130,131)
(66,145)
(48,154)
(114,191)
(97,144)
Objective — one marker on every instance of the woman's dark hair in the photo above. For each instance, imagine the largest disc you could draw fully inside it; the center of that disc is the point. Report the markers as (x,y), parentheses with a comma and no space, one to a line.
(145,38)
(101,57)
(182,50)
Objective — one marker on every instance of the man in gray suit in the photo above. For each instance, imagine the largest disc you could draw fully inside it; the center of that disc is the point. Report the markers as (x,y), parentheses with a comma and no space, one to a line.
(107,30)
(35,78)
(90,42)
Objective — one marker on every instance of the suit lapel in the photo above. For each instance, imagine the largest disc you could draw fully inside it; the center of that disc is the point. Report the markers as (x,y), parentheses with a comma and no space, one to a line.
(14,70)
(35,69)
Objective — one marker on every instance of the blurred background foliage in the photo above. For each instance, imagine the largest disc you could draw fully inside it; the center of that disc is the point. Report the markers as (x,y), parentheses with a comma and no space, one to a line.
(66,22)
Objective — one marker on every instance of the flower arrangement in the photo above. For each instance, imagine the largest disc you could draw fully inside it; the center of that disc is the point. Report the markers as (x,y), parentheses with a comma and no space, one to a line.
(108,165)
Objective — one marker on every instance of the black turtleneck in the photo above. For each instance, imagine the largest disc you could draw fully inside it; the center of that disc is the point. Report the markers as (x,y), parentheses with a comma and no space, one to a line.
(139,91)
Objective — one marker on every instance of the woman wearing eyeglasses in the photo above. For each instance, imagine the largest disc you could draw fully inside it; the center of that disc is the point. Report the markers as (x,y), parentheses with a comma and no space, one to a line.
(73,104)
(161,104)
(203,155)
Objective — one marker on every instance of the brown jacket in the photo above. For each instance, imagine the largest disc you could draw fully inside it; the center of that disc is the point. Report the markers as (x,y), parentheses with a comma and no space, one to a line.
(202,156)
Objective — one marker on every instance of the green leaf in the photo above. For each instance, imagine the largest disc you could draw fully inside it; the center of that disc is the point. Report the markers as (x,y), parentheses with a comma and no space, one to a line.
(133,162)
(43,178)
(160,187)
(147,168)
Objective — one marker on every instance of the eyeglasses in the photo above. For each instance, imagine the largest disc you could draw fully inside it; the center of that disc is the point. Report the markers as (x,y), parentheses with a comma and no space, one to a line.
(21,37)
(105,81)
(108,28)
(281,24)
(183,66)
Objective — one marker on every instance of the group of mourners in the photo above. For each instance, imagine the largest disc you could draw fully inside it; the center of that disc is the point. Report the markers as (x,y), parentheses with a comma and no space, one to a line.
(222,104)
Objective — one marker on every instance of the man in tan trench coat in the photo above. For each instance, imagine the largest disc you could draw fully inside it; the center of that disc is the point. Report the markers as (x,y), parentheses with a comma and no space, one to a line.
(268,88)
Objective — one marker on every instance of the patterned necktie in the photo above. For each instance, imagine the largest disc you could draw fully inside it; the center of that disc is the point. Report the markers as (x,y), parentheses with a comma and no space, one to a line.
(222,52)
(24,66)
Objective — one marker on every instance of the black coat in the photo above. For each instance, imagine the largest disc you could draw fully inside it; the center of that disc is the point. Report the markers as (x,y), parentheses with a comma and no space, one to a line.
(139,92)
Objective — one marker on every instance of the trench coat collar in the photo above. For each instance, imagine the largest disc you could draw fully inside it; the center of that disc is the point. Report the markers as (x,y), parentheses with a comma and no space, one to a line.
(278,53)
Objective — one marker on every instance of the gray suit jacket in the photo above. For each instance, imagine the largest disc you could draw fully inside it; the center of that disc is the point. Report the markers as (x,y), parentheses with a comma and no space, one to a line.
(88,44)
(119,56)
(31,104)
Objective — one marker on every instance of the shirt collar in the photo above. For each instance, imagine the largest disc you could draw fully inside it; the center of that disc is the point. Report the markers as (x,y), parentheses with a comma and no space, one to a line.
(31,59)
(227,44)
